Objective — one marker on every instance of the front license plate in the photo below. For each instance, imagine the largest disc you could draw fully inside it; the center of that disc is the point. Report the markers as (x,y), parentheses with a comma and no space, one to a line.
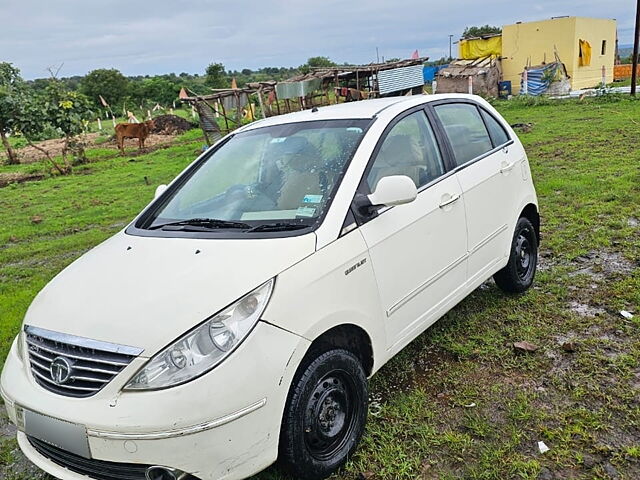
(68,436)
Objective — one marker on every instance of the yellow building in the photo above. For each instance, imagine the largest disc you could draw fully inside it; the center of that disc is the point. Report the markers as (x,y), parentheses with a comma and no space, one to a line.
(584,45)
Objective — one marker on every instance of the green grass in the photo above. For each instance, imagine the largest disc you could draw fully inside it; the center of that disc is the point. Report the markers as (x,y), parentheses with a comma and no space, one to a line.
(458,402)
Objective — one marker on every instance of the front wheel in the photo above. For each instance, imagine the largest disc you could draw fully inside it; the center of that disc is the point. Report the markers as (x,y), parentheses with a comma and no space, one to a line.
(517,276)
(325,415)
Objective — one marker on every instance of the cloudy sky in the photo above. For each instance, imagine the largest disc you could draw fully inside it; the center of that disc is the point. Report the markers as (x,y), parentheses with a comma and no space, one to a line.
(162,36)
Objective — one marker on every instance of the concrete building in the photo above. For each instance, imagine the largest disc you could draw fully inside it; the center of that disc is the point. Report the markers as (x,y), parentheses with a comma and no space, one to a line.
(584,45)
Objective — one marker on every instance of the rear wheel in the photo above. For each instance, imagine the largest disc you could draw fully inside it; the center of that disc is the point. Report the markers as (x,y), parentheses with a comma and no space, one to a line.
(325,415)
(517,276)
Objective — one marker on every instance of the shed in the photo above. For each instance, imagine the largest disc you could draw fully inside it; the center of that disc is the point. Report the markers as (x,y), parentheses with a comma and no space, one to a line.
(485,73)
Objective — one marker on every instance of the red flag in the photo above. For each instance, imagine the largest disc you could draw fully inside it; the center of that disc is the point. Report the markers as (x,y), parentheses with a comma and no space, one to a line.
(415,55)
(183,93)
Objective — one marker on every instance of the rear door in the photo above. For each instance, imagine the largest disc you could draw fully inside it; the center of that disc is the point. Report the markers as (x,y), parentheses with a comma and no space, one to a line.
(479,146)
(418,250)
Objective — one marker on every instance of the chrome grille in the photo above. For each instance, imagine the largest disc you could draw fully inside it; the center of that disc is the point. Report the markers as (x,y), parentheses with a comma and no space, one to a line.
(86,365)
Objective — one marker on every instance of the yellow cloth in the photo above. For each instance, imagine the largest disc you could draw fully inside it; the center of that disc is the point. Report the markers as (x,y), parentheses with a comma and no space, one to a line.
(585,53)
(479,48)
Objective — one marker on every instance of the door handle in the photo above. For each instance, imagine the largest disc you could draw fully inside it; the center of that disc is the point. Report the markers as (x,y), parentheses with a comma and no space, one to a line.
(454,198)
(507,167)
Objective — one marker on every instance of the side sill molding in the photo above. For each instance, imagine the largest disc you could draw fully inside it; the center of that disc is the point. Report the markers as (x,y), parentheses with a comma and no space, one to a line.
(183,431)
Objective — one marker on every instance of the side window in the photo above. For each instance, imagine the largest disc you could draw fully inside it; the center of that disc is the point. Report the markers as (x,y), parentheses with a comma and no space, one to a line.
(498,135)
(409,149)
(465,129)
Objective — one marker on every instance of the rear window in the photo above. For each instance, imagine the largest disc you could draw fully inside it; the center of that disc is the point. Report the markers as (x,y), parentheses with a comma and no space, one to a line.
(465,129)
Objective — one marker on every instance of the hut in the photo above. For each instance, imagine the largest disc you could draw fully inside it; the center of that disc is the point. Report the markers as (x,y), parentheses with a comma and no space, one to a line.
(479,76)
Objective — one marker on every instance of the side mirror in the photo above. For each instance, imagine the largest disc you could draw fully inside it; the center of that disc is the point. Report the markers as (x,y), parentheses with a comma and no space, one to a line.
(159,191)
(394,190)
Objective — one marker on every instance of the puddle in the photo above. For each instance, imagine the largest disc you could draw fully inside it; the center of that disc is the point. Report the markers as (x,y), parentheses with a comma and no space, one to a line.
(585,310)
(601,265)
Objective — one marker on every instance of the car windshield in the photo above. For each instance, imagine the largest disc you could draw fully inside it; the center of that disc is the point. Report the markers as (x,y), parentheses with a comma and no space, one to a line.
(278,177)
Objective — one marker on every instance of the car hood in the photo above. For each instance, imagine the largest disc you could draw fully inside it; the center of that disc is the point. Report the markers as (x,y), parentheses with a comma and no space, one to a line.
(145,291)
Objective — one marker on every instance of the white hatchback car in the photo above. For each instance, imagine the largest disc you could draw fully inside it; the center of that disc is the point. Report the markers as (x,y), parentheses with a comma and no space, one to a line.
(235,321)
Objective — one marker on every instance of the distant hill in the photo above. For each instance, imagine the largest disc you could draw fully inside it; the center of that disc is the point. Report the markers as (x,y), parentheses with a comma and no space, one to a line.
(625,50)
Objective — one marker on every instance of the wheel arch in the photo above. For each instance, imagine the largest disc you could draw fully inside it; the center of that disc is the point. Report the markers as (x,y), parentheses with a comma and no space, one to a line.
(530,212)
(347,336)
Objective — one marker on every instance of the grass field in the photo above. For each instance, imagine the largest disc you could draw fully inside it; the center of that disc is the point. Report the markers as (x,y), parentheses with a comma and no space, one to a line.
(458,402)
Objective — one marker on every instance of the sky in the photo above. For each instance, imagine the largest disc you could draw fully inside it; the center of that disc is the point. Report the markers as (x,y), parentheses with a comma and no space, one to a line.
(161,36)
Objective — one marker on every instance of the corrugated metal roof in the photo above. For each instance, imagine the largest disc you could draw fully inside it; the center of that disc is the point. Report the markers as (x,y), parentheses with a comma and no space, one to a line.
(400,78)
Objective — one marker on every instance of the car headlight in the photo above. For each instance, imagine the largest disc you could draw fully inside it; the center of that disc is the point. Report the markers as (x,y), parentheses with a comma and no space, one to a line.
(204,347)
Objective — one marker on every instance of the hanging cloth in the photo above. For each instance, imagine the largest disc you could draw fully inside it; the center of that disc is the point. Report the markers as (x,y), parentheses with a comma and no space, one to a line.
(584,59)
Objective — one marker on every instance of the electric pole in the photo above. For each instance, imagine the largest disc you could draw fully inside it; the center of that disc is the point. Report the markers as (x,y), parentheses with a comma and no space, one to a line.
(636,37)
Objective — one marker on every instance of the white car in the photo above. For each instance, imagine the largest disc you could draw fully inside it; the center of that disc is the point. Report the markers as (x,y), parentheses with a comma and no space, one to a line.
(236,320)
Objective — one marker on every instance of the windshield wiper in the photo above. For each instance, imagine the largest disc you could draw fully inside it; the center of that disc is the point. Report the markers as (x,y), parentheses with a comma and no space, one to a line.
(277,227)
(204,223)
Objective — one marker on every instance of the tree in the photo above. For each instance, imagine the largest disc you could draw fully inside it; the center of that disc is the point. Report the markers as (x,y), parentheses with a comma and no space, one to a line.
(154,90)
(109,83)
(11,87)
(474,32)
(30,119)
(67,112)
(316,62)
(216,76)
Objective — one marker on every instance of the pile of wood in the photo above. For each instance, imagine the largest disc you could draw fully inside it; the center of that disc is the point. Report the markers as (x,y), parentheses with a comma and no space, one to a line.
(171,125)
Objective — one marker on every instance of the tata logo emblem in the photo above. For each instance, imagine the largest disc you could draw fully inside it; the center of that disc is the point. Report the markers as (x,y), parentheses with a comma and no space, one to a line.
(60,370)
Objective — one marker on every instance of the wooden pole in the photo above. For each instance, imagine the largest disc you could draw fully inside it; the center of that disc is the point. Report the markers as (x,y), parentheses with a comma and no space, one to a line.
(636,40)
(264,114)
(224,114)
(275,95)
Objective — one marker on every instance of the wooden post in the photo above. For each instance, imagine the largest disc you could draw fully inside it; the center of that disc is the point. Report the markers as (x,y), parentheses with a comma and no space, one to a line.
(224,114)
(275,95)
(238,109)
(259,92)
(636,40)
(470,80)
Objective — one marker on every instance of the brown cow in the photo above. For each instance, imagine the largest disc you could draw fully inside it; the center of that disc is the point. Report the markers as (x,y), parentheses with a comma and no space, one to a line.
(133,130)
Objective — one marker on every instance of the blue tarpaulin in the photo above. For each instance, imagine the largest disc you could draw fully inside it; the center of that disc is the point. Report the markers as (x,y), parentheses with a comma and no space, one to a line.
(539,79)
(429,73)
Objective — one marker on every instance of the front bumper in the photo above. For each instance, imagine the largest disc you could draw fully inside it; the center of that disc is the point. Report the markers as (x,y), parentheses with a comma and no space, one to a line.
(224,425)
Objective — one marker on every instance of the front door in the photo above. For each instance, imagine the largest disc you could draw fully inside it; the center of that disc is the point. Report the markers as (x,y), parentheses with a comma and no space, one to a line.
(418,250)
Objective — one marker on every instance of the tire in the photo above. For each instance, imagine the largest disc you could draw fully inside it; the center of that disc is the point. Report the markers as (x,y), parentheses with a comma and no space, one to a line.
(325,415)
(517,276)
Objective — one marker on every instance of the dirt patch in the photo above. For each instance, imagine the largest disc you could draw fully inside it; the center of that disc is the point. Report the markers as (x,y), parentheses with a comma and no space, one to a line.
(93,140)
(171,125)
(18,177)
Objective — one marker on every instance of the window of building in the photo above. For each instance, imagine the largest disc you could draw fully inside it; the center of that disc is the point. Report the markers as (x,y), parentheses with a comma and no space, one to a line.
(603,50)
